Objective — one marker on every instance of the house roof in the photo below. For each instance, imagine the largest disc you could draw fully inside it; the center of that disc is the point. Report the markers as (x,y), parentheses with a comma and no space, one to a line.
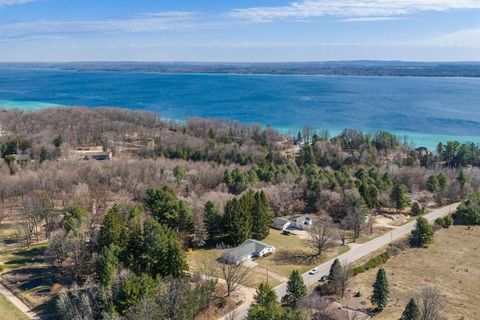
(300,218)
(247,248)
(280,222)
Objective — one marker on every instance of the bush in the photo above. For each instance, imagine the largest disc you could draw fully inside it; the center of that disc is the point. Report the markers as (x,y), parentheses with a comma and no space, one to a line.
(444,222)
(372,263)
(222,303)
(326,289)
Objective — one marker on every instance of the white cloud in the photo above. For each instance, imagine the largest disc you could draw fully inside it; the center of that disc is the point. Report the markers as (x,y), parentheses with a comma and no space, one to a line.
(369,19)
(146,23)
(306,9)
(13,2)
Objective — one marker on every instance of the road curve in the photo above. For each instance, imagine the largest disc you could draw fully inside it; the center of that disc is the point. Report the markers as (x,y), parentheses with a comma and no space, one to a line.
(357,253)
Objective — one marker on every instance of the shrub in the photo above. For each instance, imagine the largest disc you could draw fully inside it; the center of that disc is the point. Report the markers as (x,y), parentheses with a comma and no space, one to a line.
(222,303)
(372,263)
(326,289)
(444,222)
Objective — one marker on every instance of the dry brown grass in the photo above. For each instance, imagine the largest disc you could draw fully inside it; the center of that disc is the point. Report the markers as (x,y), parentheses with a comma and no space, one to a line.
(452,264)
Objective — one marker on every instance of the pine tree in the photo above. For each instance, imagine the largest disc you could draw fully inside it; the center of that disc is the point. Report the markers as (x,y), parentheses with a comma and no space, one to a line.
(462,179)
(213,220)
(422,234)
(335,269)
(296,289)
(107,265)
(433,184)
(265,305)
(162,253)
(416,209)
(238,222)
(167,209)
(411,311)
(114,229)
(261,216)
(380,290)
(399,196)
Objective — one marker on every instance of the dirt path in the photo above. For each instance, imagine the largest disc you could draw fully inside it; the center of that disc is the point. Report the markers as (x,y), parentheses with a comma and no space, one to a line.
(18,303)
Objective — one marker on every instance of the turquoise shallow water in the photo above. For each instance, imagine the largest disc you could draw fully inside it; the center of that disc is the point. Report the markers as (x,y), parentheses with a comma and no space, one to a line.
(427,110)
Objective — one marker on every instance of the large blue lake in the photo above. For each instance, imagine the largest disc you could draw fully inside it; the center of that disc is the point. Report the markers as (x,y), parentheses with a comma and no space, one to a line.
(428,110)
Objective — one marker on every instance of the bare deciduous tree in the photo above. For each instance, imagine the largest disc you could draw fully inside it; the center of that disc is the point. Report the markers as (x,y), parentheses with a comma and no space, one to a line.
(317,306)
(431,304)
(322,238)
(234,275)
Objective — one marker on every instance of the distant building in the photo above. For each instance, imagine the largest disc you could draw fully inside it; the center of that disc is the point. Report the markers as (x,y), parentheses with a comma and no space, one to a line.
(303,222)
(20,158)
(280,224)
(90,153)
(98,156)
(247,250)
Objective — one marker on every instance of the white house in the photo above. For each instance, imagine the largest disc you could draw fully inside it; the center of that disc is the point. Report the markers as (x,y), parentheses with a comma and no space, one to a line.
(247,250)
(303,222)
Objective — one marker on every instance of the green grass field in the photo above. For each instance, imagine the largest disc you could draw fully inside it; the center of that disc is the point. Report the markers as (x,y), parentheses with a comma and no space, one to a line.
(9,312)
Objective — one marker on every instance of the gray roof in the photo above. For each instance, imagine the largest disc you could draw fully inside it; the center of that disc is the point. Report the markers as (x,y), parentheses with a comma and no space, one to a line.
(300,218)
(279,222)
(247,248)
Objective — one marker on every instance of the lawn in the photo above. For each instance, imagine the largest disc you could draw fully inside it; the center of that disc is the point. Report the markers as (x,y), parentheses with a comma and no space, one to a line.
(451,264)
(25,271)
(9,312)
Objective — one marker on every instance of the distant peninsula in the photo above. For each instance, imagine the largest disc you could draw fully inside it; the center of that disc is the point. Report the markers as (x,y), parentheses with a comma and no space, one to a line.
(340,68)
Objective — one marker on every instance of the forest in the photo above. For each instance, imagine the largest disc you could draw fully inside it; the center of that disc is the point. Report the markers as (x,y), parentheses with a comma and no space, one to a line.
(117,233)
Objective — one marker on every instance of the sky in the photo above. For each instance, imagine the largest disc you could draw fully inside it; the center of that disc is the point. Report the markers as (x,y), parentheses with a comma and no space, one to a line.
(239,30)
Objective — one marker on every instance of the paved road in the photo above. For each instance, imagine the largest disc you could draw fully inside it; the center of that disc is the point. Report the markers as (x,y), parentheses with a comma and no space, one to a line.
(358,252)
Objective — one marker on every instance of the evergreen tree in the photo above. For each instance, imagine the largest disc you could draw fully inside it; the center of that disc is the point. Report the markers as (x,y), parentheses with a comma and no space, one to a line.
(462,179)
(399,196)
(262,216)
(335,269)
(73,219)
(237,222)
(57,142)
(168,210)
(433,184)
(422,234)
(132,290)
(213,220)
(179,173)
(43,154)
(411,311)
(442,181)
(380,290)
(296,289)
(468,212)
(416,209)
(265,305)
(113,229)
(107,265)
(162,253)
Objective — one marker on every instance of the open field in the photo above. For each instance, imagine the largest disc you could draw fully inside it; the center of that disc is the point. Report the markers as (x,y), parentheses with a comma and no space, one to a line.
(24,270)
(451,264)
(9,312)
